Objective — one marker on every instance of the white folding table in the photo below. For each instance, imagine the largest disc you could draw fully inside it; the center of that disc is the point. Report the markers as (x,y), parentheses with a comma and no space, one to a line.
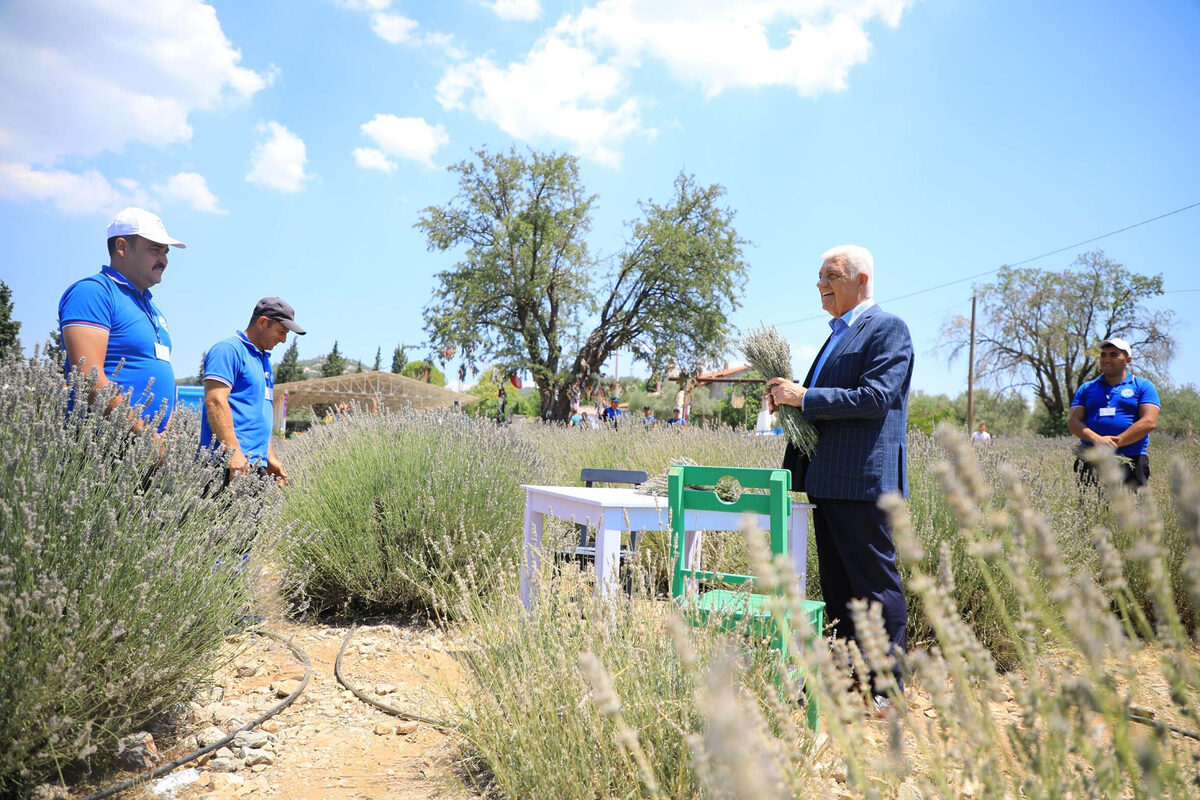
(611,510)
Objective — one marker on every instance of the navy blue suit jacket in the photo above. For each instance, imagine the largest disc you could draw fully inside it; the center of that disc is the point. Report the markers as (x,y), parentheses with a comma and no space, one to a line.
(859,405)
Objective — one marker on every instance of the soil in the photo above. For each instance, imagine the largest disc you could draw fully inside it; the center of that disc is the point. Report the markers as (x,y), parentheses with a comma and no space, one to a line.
(328,743)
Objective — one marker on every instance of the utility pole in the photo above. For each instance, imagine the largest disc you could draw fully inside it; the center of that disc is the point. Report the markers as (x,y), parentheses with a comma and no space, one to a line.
(971,374)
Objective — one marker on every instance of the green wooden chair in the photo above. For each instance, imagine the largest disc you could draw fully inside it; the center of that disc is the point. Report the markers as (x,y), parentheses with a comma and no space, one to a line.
(738,608)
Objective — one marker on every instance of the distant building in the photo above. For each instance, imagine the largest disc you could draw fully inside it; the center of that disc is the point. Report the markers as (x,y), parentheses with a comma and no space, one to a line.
(718,391)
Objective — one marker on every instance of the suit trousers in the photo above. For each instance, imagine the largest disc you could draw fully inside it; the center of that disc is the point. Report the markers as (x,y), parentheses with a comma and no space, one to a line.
(857,559)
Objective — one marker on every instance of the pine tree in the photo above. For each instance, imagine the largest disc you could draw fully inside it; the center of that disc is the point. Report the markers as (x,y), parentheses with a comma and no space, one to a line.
(9,328)
(399,359)
(359,367)
(378,359)
(200,374)
(334,363)
(289,369)
(54,347)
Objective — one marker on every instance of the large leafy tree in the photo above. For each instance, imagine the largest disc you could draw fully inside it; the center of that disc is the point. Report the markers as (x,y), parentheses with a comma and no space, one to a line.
(9,328)
(1039,330)
(289,369)
(527,294)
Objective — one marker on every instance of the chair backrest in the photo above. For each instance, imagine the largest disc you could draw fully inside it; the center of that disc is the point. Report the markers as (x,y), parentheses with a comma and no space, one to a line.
(683,496)
(590,475)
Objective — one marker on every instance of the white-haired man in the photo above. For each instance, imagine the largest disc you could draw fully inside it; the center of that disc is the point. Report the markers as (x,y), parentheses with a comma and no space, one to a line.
(856,394)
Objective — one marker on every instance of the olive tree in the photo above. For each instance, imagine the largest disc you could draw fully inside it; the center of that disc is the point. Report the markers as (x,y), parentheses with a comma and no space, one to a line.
(526,293)
(1039,330)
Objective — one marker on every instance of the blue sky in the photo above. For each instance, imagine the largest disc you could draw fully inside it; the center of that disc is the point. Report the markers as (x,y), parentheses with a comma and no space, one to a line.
(293,143)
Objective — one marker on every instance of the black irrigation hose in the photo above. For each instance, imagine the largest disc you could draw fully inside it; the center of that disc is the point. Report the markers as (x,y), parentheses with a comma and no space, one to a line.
(165,768)
(1162,726)
(441,725)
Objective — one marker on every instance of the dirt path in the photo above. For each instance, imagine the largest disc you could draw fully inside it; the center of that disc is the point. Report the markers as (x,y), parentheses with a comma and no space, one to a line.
(329,744)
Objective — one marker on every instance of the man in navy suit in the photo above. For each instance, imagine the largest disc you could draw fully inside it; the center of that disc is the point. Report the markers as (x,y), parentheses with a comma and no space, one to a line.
(856,394)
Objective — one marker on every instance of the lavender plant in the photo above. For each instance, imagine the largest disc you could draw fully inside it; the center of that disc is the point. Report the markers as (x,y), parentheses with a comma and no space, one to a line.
(116,581)
(770,355)
(1098,699)
(410,510)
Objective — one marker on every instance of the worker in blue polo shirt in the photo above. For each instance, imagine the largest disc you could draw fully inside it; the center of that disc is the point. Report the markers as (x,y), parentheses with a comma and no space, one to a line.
(111,317)
(1116,410)
(239,405)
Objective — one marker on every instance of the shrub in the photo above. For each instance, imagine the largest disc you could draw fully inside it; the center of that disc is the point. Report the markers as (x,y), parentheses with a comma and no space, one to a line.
(112,600)
(403,505)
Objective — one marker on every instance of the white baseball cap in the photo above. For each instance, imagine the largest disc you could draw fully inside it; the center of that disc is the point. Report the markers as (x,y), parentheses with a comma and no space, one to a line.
(1120,344)
(140,222)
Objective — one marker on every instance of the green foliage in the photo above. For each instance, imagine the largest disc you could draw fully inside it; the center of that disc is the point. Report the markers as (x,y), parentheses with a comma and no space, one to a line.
(1180,409)
(926,411)
(289,369)
(524,286)
(54,350)
(406,505)
(1006,413)
(335,363)
(1049,424)
(425,371)
(1041,330)
(752,402)
(117,577)
(9,328)
(378,360)
(399,359)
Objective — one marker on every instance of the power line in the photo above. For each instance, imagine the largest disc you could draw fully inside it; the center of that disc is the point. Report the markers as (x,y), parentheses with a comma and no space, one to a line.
(1025,261)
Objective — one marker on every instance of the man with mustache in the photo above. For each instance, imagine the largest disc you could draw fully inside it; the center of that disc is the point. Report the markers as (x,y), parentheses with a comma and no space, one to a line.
(111,317)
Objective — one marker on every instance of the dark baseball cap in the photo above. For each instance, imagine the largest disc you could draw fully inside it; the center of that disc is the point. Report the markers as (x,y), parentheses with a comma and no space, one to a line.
(276,309)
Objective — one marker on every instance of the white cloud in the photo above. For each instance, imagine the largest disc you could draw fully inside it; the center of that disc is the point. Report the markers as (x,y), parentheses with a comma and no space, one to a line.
(84,77)
(400,137)
(370,158)
(71,193)
(561,90)
(363,5)
(399,29)
(278,159)
(574,84)
(192,189)
(526,10)
(393,28)
(725,44)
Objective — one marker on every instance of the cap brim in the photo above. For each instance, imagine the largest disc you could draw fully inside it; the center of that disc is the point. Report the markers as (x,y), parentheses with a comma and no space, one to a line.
(291,325)
(167,240)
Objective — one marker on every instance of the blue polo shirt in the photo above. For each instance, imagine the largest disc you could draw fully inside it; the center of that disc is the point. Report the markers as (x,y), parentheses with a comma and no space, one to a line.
(246,370)
(1097,396)
(137,333)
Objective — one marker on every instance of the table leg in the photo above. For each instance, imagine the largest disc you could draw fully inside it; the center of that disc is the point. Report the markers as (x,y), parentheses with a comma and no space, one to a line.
(608,560)
(798,545)
(532,557)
